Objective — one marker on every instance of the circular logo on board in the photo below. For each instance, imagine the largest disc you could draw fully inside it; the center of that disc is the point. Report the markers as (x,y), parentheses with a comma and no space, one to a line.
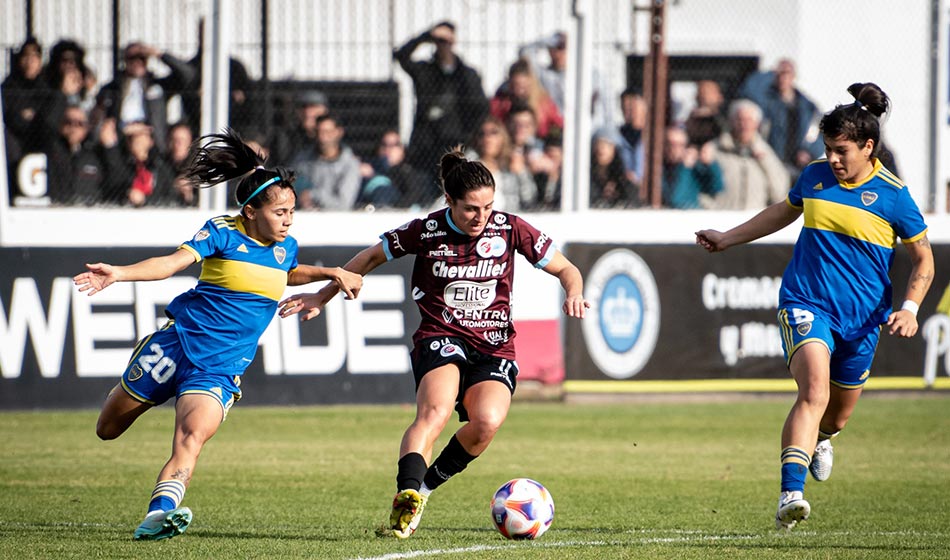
(623,324)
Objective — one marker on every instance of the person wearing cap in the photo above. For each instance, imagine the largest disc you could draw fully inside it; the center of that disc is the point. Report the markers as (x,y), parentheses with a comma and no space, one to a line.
(289,142)
(609,186)
(450,100)
(548,59)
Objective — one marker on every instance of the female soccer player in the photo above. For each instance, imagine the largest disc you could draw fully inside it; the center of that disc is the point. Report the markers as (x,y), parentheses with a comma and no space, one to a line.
(213,329)
(836,294)
(463,355)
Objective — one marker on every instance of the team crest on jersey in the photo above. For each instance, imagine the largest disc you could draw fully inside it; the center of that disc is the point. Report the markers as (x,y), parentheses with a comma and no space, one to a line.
(202,235)
(280,254)
(818,187)
(500,218)
(431,225)
(488,247)
(868,198)
(803,329)
(135,373)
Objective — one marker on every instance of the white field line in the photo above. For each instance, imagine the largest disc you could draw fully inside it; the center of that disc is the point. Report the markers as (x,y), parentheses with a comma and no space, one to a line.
(684,536)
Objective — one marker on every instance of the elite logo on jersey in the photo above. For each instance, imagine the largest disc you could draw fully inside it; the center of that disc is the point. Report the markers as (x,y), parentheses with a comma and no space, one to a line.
(818,187)
(868,198)
(488,247)
(431,225)
(201,235)
(280,254)
(500,219)
(242,248)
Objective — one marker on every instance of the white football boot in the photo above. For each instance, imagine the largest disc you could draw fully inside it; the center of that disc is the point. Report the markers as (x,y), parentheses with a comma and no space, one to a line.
(792,508)
(822,460)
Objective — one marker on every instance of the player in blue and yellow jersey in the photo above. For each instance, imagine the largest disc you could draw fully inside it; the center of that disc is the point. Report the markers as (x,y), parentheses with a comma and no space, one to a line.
(463,354)
(836,292)
(212,333)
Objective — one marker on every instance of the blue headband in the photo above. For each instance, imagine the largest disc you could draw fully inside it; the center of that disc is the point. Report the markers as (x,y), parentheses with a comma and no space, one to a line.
(266,184)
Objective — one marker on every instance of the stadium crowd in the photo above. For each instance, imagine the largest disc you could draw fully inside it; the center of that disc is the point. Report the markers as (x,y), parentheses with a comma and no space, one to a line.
(114,144)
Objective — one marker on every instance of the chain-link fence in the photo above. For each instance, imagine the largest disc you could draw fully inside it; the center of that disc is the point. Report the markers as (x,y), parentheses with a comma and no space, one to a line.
(102,100)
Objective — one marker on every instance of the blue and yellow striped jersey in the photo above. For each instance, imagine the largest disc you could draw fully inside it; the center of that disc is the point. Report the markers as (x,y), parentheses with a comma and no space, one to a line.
(845,250)
(221,319)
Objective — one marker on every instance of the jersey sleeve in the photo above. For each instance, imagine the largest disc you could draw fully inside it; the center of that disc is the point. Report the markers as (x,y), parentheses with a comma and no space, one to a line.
(403,240)
(206,242)
(908,222)
(794,198)
(535,245)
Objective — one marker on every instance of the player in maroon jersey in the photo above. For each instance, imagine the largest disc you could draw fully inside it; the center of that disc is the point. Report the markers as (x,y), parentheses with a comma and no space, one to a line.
(461,280)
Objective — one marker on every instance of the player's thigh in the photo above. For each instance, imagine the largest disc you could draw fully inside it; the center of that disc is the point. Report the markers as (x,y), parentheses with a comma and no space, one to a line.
(811,368)
(438,390)
(118,412)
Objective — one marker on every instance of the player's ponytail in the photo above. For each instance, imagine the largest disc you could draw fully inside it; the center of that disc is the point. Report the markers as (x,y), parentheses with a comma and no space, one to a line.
(460,175)
(225,156)
(858,121)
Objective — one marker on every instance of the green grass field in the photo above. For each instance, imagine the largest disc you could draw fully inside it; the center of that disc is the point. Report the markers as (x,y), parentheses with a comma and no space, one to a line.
(635,480)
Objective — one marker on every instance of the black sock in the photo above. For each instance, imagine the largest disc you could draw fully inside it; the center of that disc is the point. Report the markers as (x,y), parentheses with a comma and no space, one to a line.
(412,467)
(451,461)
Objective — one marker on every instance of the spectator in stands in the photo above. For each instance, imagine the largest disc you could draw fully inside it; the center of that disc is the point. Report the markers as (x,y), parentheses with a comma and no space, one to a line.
(753,175)
(548,59)
(240,115)
(688,171)
(388,179)
(523,88)
(68,73)
(29,122)
(328,175)
(138,174)
(287,143)
(523,130)
(609,186)
(450,101)
(548,180)
(789,117)
(707,120)
(634,109)
(137,95)
(74,170)
(514,185)
(178,157)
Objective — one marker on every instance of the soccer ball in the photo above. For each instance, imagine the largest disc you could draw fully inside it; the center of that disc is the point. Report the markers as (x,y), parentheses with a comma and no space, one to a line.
(522,509)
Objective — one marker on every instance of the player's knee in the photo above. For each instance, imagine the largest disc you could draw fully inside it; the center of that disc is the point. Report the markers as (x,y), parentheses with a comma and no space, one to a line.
(485,426)
(107,431)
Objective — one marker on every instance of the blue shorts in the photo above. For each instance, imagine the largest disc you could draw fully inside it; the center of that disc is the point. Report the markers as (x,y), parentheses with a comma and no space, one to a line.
(160,370)
(850,359)
(474,366)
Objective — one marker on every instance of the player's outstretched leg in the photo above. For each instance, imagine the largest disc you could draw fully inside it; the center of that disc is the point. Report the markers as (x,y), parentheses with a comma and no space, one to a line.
(407,512)
(821,461)
(160,525)
(792,508)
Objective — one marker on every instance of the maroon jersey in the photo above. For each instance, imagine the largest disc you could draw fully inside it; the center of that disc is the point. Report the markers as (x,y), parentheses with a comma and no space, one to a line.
(462,284)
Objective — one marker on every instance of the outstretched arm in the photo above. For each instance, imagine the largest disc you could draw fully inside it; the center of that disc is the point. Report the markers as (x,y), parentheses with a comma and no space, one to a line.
(903,322)
(102,275)
(349,282)
(766,222)
(310,305)
(574,303)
